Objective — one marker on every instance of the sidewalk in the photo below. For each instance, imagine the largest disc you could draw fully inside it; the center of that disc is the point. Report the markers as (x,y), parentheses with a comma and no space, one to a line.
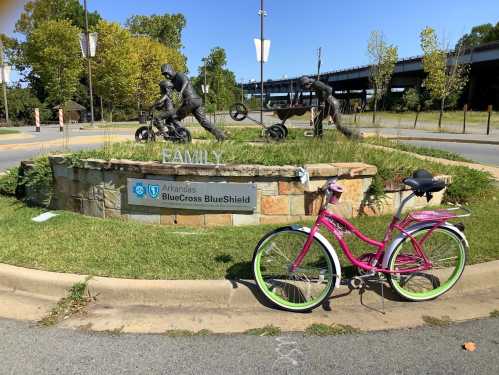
(415,134)
(232,306)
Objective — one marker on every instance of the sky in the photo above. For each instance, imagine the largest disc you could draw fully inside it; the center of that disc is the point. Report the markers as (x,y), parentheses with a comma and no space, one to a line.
(298,28)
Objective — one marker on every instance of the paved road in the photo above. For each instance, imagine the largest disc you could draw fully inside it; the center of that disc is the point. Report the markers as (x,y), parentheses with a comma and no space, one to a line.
(395,132)
(481,153)
(25,349)
(40,143)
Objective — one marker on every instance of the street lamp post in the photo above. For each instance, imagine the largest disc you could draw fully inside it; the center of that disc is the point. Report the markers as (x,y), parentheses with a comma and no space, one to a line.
(242,90)
(205,91)
(4,84)
(262,15)
(87,36)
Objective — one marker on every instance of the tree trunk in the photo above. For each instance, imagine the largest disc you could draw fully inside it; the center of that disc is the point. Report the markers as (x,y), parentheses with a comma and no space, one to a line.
(417,116)
(442,104)
(101,110)
(375,108)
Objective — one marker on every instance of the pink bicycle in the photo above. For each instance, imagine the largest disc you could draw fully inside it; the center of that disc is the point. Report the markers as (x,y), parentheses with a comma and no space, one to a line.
(297,268)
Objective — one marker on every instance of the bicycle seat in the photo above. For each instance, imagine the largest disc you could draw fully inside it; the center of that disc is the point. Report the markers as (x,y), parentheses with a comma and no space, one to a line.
(422,182)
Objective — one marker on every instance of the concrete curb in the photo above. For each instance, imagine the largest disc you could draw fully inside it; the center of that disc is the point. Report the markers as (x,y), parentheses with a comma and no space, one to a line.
(184,293)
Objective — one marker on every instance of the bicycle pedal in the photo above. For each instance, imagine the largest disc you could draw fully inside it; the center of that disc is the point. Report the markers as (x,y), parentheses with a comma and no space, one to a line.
(357,283)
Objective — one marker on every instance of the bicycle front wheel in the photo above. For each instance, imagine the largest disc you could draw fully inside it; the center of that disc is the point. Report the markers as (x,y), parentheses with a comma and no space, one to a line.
(305,288)
(447,254)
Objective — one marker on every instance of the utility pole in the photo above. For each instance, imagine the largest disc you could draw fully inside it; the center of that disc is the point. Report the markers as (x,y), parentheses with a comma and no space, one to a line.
(262,15)
(4,85)
(204,91)
(87,35)
(242,90)
(319,62)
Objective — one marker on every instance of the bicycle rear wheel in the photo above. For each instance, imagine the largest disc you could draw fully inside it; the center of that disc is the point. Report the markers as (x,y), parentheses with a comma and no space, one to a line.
(303,289)
(444,249)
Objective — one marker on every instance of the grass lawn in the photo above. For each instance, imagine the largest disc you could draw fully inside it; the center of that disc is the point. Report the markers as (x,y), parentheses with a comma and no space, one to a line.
(8,131)
(106,247)
(473,118)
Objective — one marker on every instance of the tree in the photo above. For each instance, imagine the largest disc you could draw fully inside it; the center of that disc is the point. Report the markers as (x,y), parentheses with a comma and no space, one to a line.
(53,51)
(411,99)
(152,55)
(383,58)
(166,28)
(21,105)
(480,34)
(116,66)
(445,76)
(222,81)
(37,12)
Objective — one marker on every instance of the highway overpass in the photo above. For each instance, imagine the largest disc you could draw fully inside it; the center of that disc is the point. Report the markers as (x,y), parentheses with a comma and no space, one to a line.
(482,88)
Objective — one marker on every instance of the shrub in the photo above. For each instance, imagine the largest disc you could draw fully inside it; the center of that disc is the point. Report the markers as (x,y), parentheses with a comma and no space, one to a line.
(411,99)
(8,182)
(467,183)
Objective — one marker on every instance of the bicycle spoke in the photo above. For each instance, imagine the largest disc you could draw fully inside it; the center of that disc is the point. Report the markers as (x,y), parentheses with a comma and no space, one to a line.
(444,251)
(310,281)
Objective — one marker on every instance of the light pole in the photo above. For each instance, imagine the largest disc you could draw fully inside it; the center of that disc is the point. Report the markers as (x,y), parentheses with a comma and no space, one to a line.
(205,88)
(262,16)
(242,90)
(4,84)
(87,36)
(319,62)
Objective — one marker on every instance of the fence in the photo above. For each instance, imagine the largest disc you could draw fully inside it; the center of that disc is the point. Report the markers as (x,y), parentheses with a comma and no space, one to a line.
(463,121)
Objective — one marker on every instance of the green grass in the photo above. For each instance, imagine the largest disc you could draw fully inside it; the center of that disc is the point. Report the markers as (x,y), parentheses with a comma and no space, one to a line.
(494,314)
(8,131)
(74,302)
(436,322)
(320,329)
(269,330)
(427,151)
(249,134)
(187,333)
(78,244)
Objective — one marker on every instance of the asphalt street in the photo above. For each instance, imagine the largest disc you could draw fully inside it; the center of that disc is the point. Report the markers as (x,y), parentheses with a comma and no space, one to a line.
(41,143)
(28,349)
(481,153)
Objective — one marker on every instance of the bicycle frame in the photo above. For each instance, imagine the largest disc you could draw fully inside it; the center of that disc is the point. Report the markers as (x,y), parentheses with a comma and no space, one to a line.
(334,223)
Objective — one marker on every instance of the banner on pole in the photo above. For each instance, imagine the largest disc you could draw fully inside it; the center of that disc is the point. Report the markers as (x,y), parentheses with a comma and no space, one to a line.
(205,89)
(5,74)
(266,49)
(93,44)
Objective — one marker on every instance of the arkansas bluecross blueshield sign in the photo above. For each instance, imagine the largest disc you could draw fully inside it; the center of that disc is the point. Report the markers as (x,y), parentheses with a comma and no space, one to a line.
(213,196)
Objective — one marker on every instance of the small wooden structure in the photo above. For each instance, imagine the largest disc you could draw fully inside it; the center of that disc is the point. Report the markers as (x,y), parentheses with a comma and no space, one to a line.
(73,112)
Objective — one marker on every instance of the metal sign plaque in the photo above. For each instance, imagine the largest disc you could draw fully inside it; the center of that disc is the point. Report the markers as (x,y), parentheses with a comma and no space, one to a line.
(213,196)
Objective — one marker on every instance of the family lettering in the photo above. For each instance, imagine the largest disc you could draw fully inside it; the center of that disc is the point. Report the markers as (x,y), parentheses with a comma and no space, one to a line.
(193,157)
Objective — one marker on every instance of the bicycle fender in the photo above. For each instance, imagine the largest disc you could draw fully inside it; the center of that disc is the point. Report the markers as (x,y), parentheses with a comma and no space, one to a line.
(415,227)
(329,248)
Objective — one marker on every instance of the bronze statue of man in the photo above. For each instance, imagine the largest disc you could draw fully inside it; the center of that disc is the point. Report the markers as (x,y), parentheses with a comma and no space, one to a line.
(191,102)
(331,107)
